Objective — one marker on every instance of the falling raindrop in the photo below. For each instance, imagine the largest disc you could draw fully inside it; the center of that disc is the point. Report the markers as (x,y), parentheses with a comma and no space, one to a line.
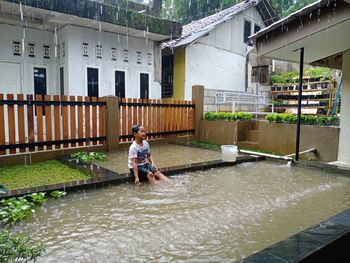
(117,16)
(99,26)
(118,36)
(147,36)
(21,10)
(101,9)
(55,41)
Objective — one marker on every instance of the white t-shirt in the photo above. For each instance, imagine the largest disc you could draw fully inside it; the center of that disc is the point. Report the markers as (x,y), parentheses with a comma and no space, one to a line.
(139,151)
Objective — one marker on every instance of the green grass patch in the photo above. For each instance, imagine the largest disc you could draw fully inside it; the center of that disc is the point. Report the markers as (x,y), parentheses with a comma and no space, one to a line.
(39,174)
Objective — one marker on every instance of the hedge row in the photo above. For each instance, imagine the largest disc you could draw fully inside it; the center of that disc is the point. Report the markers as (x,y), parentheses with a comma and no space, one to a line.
(304,119)
(242,116)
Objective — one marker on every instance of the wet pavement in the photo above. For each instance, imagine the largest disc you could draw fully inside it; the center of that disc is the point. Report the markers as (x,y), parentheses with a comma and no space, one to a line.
(165,155)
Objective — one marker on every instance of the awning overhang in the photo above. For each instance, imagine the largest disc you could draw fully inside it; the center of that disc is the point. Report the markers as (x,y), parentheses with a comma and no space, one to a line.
(89,15)
(323,29)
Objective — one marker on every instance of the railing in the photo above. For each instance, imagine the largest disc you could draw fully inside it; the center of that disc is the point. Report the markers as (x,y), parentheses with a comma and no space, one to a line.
(161,118)
(49,122)
(242,98)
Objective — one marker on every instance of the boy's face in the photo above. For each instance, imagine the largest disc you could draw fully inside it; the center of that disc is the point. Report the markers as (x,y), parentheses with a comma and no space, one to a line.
(141,134)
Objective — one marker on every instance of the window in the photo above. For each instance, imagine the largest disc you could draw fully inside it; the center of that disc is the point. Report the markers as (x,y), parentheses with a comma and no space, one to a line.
(167,76)
(144,86)
(46,51)
(247,30)
(31,50)
(85,49)
(40,81)
(256,28)
(119,84)
(260,74)
(92,82)
(16,48)
(61,81)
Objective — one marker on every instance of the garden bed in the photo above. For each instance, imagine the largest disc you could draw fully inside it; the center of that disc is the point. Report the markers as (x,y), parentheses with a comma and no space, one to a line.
(39,174)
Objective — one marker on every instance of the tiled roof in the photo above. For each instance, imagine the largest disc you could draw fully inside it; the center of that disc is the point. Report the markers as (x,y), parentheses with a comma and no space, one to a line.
(198,28)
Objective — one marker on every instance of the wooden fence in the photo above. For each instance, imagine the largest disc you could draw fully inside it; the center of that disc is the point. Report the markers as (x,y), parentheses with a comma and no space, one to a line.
(54,122)
(161,118)
(49,122)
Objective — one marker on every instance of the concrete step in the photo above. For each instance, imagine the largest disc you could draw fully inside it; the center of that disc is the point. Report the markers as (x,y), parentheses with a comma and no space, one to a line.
(248,144)
(252,135)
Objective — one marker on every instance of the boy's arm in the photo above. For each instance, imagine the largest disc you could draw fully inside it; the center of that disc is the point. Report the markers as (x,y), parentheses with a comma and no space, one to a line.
(136,170)
(151,160)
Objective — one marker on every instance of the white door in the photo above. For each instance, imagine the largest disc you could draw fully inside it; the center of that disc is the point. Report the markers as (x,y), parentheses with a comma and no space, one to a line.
(10,77)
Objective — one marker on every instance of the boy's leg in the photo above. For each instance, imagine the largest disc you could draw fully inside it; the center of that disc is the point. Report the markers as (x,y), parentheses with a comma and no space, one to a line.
(151,178)
(161,176)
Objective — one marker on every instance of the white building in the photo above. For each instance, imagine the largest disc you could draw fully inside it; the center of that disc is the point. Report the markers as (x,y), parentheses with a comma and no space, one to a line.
(213,51)
(80,48)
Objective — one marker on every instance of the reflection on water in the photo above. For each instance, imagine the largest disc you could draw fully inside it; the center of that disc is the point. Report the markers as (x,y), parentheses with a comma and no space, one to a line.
(216,215)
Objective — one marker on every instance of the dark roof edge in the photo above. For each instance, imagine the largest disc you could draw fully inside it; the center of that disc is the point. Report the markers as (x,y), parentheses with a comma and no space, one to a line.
(288,19)
(107,13)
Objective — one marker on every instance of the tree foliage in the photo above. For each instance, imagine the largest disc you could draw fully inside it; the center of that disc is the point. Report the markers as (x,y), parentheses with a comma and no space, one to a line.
(186,11)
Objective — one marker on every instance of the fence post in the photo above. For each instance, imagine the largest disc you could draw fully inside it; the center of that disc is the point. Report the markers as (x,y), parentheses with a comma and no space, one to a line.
(112,122)
(198,98)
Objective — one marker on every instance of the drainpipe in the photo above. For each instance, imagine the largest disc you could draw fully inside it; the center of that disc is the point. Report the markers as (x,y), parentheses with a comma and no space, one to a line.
(301,69)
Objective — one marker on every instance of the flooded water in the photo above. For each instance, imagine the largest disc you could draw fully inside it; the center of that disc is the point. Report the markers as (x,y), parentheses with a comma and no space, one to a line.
(218,215)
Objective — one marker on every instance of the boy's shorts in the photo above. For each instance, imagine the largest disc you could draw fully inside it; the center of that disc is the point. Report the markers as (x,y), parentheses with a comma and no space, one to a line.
(144,170)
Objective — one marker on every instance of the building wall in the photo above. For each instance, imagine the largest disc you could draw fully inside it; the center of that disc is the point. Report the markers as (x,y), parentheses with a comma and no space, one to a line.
(77,63)
(69,56)
(21,72)
(213,68)
(229,35)
(179,73)
(344,142)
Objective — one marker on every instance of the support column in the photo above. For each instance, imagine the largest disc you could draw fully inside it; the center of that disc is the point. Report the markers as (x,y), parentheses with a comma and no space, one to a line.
(198,98)
(112,123)
(344,142)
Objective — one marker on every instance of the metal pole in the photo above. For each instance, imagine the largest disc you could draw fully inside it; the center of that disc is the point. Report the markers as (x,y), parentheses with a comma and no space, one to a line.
(301,69)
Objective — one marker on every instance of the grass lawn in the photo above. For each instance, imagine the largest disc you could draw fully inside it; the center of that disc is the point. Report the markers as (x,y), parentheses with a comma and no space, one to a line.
(39,174)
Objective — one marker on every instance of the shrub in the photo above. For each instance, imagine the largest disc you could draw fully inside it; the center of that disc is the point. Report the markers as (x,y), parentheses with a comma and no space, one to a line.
(304,119)
(18,248)
(243,116)
(89,157)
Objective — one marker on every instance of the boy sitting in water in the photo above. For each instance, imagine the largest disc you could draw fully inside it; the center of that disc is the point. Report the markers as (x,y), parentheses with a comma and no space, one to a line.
(140,161)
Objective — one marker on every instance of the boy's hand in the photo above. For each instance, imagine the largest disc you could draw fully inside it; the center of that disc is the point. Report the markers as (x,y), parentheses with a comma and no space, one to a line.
(137,181)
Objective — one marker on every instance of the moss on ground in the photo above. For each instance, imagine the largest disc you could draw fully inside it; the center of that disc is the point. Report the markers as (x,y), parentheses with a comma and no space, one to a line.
(39,174)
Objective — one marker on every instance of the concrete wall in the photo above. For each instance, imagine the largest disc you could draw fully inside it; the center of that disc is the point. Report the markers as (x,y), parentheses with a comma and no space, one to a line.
(224,132)
(344,141)
(278,137)
(179,74)
(274,137)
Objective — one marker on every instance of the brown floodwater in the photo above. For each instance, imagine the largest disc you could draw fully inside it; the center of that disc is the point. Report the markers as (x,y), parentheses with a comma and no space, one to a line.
(217,215)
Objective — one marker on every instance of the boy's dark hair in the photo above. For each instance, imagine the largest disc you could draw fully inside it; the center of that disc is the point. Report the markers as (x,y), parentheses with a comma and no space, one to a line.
(135,129)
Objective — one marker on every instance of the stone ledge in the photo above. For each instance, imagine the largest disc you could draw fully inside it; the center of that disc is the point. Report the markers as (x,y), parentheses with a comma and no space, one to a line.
(323,242)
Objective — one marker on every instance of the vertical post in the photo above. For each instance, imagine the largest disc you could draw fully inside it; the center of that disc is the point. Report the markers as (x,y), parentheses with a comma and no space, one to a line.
(301,69)
(198,98)
(112,122)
